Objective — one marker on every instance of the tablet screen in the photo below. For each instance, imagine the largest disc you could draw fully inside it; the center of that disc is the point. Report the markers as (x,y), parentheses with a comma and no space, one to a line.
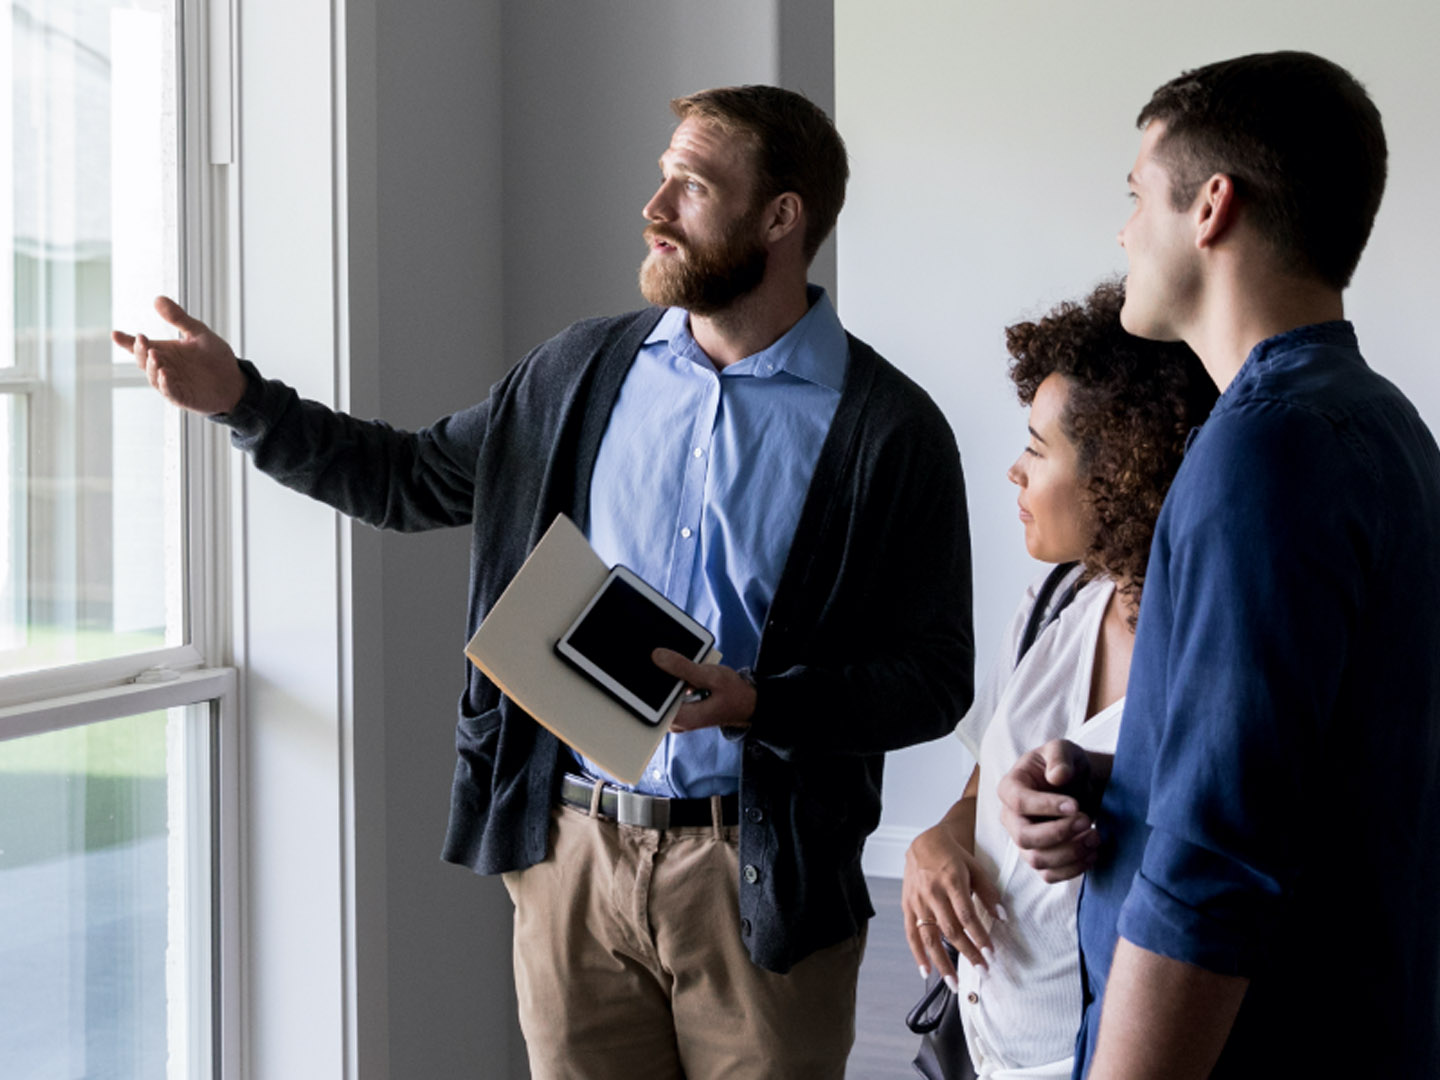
(621,630)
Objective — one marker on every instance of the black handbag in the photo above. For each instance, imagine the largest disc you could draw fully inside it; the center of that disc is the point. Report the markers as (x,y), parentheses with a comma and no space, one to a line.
(936,1016)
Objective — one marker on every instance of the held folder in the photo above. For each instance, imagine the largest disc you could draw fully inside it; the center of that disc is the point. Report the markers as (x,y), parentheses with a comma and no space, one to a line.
(515,648)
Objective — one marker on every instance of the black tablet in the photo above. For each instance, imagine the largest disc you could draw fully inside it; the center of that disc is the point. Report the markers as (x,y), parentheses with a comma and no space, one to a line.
(612,639)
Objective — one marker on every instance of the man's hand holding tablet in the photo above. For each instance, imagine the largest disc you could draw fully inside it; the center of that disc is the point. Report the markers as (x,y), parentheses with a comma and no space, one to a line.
(726,698)
(613,641)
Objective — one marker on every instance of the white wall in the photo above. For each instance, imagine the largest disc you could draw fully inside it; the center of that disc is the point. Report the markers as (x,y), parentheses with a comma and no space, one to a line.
(369,232)
(287,644)
(990,142)
(426,338)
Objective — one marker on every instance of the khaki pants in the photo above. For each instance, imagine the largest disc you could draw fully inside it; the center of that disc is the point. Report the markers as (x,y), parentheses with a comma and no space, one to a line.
(629,965)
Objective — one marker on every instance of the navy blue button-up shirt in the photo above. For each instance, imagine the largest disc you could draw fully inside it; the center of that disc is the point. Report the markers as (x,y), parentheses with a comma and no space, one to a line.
(1274,810)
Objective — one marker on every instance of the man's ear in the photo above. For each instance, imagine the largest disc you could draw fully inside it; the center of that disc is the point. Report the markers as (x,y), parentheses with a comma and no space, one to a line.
(1215,210)
(783,216)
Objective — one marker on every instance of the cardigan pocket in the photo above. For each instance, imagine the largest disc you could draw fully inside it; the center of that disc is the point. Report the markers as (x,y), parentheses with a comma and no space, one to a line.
(477,737)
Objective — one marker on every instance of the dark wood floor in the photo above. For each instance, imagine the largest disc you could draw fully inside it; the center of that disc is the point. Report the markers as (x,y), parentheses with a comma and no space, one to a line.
(889,985)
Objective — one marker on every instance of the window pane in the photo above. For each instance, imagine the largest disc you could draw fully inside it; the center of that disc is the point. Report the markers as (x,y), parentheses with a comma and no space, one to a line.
(13,590)
(88,236)
(104,903)
(145,456)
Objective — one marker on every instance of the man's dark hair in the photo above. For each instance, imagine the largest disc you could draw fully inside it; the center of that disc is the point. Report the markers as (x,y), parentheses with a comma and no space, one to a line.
(1302,142)
(796,147)
(1129,412)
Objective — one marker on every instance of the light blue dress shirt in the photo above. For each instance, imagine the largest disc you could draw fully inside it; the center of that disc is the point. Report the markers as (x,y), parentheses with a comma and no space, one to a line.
(698,487)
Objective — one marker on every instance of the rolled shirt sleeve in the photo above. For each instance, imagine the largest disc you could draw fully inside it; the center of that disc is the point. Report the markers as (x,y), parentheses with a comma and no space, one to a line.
(1262,575)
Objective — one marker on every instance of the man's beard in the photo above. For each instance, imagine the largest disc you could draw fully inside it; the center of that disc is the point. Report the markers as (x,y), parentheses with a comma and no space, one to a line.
(705,280)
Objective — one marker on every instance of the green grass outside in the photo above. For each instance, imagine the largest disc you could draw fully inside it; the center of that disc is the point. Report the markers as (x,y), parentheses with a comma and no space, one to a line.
(83,788)
(50,647)
(132,746)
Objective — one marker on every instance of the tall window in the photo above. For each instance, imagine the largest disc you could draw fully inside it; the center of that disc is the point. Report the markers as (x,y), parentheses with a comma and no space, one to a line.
(90,504)
(113,718)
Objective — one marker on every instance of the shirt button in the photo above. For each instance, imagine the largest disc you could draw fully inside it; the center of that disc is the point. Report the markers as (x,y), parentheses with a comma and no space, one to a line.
(972,997)
(685,532)
(755,815)
(656,774)
(699,452)
(751,875)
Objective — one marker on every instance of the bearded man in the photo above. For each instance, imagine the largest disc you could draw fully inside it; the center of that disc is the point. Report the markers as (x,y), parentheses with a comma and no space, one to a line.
(771,475)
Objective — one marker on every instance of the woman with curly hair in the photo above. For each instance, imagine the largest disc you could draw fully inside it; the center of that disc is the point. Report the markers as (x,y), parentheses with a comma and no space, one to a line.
(1109,418)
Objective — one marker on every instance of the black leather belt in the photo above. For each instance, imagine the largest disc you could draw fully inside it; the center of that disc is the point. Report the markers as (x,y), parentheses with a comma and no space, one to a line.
(647,811)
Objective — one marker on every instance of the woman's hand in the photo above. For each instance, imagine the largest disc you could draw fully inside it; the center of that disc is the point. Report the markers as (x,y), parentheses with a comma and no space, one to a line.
(943,886)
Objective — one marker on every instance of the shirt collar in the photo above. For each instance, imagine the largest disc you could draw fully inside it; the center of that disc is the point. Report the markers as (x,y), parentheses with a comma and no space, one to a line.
(674,322)
(814,349)
(1338,332)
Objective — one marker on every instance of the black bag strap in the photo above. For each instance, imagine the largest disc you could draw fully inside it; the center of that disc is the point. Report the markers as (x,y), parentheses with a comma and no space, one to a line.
(1044,613)
(927,1013)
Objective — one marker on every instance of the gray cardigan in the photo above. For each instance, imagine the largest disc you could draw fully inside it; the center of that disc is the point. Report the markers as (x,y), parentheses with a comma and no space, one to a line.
(867,646)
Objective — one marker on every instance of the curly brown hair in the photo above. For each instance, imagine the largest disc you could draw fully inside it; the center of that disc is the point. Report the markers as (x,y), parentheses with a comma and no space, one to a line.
(1131,407)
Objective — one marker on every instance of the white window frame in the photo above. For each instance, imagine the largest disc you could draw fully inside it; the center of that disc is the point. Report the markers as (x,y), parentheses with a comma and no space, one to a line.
(197,671)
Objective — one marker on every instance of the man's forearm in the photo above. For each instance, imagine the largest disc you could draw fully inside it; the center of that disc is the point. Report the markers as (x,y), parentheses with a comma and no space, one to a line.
(1163,1019)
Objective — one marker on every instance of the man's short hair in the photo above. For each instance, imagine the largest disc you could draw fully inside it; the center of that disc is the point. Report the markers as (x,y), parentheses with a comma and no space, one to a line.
(796,147)
(1302,142)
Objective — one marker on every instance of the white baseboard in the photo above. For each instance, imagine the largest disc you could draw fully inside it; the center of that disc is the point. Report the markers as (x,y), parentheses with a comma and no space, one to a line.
(885,851)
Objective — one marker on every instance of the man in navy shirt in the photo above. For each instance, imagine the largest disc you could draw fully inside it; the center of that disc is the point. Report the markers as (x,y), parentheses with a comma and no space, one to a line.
(1264,866)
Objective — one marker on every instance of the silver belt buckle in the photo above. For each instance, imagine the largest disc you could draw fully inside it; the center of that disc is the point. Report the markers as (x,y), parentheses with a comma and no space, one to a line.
(632,808)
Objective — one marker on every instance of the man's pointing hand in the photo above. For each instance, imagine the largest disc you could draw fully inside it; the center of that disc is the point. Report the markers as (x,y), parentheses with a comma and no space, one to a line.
(197,371)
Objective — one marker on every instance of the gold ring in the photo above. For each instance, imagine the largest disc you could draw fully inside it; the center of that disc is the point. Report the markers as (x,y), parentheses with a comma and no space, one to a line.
(919,923)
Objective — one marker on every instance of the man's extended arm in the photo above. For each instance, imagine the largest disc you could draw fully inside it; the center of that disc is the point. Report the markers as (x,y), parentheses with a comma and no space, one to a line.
(364,468)
(1163,1019)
